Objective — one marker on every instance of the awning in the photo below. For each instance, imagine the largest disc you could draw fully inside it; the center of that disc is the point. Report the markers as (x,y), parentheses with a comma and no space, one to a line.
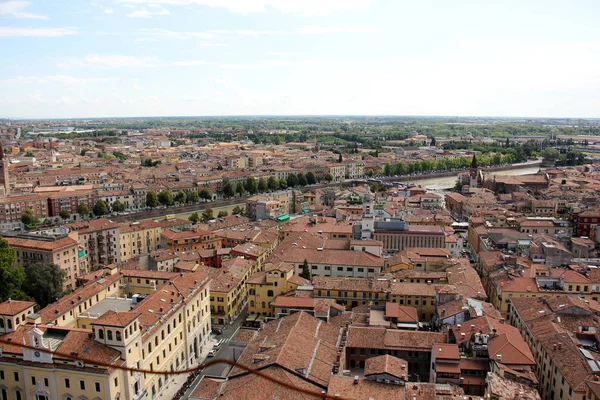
(283,218)
(306,210)
(81,253)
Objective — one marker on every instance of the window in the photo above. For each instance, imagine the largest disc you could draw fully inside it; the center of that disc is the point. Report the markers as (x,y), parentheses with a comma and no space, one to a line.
(46,383)
(97,386)
(67,383)
(16,374)
(109,334)
(100,334)
(18,394)
(82,385)
(118,334)
(2,374)
(269,293)
(33,380)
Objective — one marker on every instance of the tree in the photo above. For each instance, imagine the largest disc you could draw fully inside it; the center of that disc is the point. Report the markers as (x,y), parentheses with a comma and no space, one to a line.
(340,159)
(44,282)
(228,189)
(181,197)
(272,183)
(165,198)
(239,189)
(507,144)
(207,215)
(206,194)
(11,277)
(194,218)
(328,177)
(119,155)
(302,181)
(28,218)
(237,210)
(310,178)
(305,271)
(283,183)
(292,180)
(118,206)
(192,197)
(101,208)
(433,142)
(550,154)
(262,185)
(151,199)
(250,185)
(82,209)
(64,213)
(222,214)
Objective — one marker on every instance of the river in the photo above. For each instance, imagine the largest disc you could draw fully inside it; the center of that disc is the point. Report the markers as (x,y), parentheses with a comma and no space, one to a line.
(447,182)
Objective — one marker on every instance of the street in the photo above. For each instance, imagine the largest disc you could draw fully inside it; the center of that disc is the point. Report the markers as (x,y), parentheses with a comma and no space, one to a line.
(226,352)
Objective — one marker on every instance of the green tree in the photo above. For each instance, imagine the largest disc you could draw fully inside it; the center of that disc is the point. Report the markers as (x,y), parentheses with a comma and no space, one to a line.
(239,189)
(192,196)
(228,189)
(282,183)
(181,197)
(44,282)
(207,215)
(433,142)
(237,210)
(340,159)
(250,185)
(292,180)
(222,214)
(550,154)
(119,155)
(101,208)
(194,218)
(28,218)
(273,183)
(302,181)
(151,199)
(305,270)
(64,213)
(328,177)
(82,209)
(165,198)
(262,185)
(11,277)
(206,194)
(311,179)
(118,206)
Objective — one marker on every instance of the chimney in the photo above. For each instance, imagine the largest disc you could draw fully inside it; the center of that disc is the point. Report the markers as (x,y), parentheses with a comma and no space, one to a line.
(472,328)
(554,347)
(458,327)
(356,379)
(560,346)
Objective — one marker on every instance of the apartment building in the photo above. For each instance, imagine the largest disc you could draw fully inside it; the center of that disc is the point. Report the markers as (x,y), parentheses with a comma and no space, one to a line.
(70,201)
(561,332)
(100,239)
(143,237)
(13,207)
(63,250)
(189,240)
(166,331)
(265,286)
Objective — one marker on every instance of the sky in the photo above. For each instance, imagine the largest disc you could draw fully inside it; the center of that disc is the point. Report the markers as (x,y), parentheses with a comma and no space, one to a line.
(126,58)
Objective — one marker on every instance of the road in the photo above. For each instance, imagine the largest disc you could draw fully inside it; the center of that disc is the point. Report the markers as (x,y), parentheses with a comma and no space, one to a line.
(227,352)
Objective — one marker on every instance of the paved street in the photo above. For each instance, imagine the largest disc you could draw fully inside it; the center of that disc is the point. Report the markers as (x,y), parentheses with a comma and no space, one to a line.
(226,352)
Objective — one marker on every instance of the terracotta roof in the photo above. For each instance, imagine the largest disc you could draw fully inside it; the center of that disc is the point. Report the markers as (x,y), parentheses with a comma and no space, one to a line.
(117,318)
(45,245)
(382,338)
(386,364)
(445,351)
(400,313)
(15,307)
(364,390)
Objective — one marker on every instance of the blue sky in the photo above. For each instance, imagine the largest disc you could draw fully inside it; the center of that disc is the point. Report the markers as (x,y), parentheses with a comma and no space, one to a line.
(118,58)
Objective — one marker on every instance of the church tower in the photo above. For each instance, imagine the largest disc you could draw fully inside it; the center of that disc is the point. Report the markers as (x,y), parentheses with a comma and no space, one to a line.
(4,179)
(368,218)
(474,173)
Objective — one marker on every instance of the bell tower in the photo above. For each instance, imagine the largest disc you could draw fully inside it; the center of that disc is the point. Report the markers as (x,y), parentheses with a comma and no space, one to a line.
(4,179)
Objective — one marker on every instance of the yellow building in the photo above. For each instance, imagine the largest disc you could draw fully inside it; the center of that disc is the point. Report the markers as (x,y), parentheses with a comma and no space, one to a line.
(353,292)
(265,286)
(144,237)
(168,330)
(228,289)
(190,240)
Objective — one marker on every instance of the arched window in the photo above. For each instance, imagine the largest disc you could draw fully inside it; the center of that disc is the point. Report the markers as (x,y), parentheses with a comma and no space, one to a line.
(100,334)
(9,324)
(252,292)
(1,323)
(18,321)
(118,334)
(251,303)
(109,334)
(270,293)
(275,274)
(264,305)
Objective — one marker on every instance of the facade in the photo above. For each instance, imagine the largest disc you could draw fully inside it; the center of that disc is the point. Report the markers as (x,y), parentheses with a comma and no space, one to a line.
(189,240)
(70,201)
(144,237)
(11,208)
(100,239)
(397,235)
(63,251)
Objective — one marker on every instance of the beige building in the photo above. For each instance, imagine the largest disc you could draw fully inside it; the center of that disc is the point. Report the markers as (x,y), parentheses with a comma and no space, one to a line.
(167,331)
(141,238)
(100,240)
(63,251)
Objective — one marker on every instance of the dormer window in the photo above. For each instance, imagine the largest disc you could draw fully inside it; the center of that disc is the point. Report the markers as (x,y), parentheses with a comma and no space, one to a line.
(118,334)
(100,334)
(109,335)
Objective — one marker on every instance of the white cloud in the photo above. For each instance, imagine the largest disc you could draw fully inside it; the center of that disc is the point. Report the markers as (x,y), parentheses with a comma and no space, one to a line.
(157,33)
(8,31)
(190,98)
(153,10)
(121,61)
(301,7)
(211,44)
(50,79)
(283,53)
(16,9)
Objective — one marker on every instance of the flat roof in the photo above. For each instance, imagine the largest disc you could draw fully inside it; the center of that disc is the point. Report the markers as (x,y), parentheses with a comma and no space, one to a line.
(108,304)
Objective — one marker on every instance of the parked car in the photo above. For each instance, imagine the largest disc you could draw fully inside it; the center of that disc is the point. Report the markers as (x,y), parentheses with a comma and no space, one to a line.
(217,331)
(212,353)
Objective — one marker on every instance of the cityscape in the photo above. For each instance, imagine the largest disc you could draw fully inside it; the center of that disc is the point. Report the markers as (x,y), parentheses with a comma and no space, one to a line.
(280,200)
